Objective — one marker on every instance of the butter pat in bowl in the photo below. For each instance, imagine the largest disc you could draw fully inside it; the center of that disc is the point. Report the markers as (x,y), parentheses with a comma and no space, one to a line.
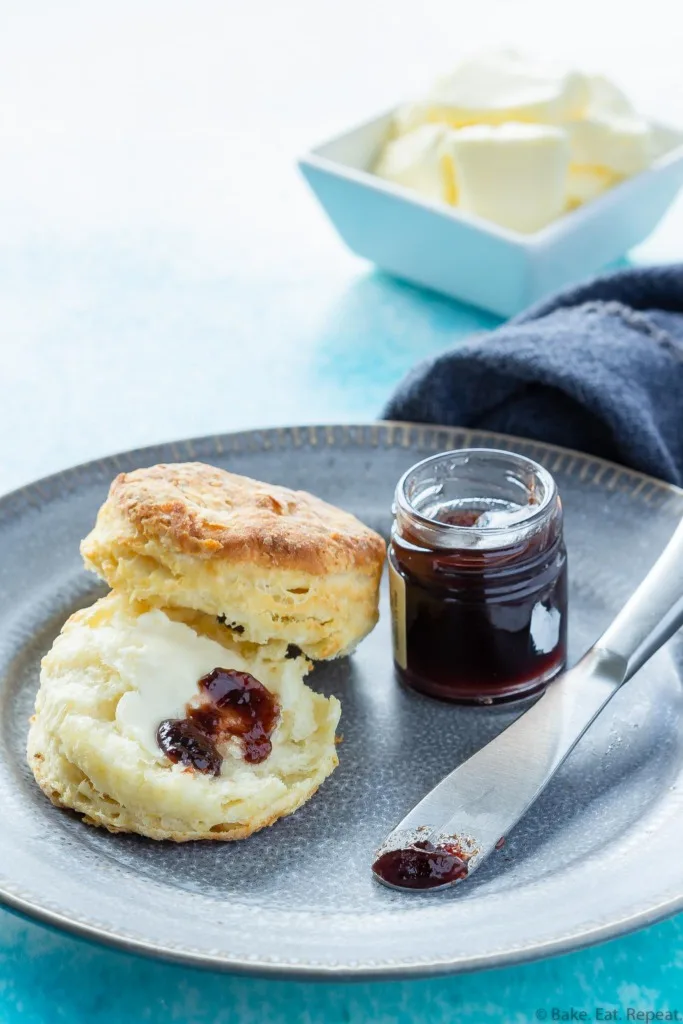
(510,180)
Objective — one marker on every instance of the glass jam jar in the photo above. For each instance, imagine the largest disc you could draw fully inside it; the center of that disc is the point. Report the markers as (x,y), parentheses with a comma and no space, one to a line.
(478,576)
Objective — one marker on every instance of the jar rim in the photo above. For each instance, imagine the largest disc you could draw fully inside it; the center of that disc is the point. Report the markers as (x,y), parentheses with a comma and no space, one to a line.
(454,532)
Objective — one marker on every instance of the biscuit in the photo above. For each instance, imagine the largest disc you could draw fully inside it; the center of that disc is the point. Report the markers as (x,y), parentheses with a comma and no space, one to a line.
(275,563)
(113,672)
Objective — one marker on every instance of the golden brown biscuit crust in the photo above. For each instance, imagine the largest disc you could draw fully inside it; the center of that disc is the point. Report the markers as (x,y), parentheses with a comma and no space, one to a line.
(93,814)
(207,512)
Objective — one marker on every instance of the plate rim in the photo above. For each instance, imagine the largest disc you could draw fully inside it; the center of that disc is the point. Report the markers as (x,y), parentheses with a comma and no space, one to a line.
(412,434)
(405,425)
(284,971)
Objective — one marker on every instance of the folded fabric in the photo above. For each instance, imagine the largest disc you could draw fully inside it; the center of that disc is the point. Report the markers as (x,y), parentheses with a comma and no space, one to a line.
(598,368)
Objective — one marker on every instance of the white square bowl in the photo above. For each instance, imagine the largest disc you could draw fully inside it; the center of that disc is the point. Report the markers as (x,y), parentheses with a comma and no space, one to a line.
(466,257)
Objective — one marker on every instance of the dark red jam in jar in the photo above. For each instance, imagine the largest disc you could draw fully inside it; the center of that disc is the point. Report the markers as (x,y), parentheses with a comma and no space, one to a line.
(478,573)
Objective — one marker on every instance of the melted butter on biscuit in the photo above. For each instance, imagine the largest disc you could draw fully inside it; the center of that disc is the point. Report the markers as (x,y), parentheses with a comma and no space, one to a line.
(161,661)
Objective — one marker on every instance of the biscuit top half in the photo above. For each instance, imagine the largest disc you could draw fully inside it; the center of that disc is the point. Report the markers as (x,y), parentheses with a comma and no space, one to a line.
(202,511)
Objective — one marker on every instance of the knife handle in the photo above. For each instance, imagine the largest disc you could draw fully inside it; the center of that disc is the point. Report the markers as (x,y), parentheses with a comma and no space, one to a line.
(654,611)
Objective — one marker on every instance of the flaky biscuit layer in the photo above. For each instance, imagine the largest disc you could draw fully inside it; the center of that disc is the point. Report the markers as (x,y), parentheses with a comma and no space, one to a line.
(279,564)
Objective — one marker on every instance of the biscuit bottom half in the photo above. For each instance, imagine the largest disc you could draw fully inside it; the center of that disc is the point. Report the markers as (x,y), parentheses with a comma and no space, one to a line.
(115,673)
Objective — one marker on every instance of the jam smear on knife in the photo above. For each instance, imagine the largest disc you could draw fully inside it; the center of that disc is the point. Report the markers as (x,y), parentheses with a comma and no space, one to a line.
(422,865)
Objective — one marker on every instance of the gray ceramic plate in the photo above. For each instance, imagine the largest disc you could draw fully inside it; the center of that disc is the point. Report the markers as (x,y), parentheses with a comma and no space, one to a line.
(598,855)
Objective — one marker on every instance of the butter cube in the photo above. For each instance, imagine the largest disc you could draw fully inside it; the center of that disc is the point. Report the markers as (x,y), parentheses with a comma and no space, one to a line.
(609,140)
(498,87)
(512,174)
(587,183)
(621,145)
(415,160)
(605,99)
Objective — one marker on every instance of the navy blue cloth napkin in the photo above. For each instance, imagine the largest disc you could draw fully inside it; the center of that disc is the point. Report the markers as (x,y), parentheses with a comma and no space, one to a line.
(598,367)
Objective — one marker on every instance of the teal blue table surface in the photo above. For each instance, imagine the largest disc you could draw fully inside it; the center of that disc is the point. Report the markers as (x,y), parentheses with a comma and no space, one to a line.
(164,273)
